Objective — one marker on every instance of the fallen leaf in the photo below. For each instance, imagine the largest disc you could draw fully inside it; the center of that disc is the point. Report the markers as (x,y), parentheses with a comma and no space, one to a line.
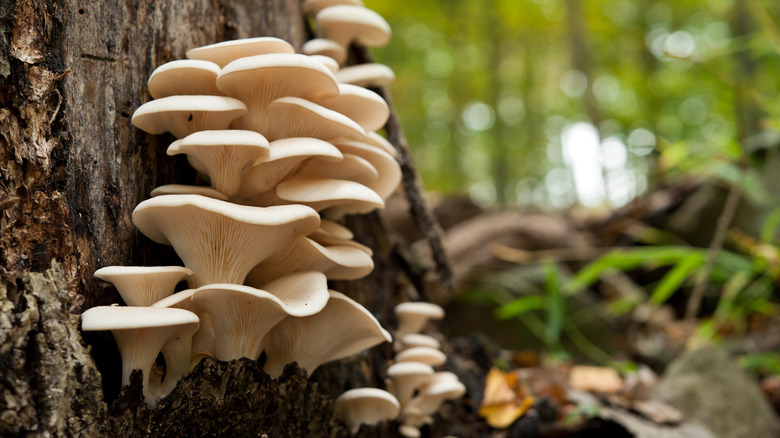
(595,379)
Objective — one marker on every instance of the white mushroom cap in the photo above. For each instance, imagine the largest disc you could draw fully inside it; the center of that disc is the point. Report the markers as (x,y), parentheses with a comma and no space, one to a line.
(326,239)
(297,117)
(441,387)
(285,156)
(221,241)
(140,333)
(345,24)
(180,189)
(377,140)
(338,262)
(335,229)
(241,316)
(259,80)
(412,316)
(352,167)
(222,155)
(304,292)
(427,355)
(143,285)
(366,75)
(183,115)
(341,329)
(184,76)
(412,340)
(388,169)
(366,406)
(312,7)
(360,104)
(405,377)
(325,47)
(228,51)
(320,193)
(327,61)
(409,431)
(203,340)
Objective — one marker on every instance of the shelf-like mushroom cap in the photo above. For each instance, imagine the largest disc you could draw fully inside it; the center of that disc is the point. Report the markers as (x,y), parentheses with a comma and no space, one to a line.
(228,51)
(440,387)
(324,238)
(341,329)
(222,155)
(352,167)
(346,24)
(140,333)
(259,80)
(388,169)
(183,115)
(312,7)
(325,47)
(143,285)
(337,262)
(412,340)
(184,76)
(320,193)
(366,75)
(285,156)
(427,355)
(405,377)
(221,241)
(360,104)
(296,117)
(377,140)
(304,292)
(327,61)
(181,189)
(413,315)
(241,316)
(203,341)
(366,406)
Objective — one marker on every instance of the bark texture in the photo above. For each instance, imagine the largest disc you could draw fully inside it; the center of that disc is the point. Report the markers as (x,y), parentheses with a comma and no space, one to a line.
(73,168)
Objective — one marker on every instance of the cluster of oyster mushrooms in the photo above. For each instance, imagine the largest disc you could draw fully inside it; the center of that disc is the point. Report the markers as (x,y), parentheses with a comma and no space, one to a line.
(287,150)
(412,378)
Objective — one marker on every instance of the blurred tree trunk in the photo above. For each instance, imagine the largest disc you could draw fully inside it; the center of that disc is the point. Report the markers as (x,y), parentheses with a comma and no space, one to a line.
(73,168)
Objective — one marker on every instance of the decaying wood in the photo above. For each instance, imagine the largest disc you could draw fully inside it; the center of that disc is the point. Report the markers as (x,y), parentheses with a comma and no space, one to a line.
(73,168)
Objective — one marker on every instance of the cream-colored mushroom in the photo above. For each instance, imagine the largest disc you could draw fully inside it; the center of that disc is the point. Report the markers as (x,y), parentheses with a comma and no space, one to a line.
(412,316)
(388,169)
(183,115)
(221,241)
(320,193)
(365,406)
(404,378)
(228,51)
(203,340)
(346,24)
(312,7)
(325,47)
(360,104)
(184,76)
(341,329)
(180,189)
(143,285)
(366,75)
(296,117)
(426,355)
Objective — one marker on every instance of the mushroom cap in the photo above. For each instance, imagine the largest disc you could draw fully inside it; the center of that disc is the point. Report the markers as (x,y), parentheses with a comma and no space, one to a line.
(241,316)
(320,193)
(221,241)
(347,23)
(312,7)
(304,292)
(222,155)
(327,61)
(341,329)
(412,340)
(183,115)
(143,285)
(326,239)
(180,189)
(335,229)
(366,75)
(439,388)
(377,140)
(203,341)
(285,156)
(352,168)
(228,51)
(133,317)
(406,377)
(413,315)
(259,80)
(366,406)
(184,76)
(388,169)
(337,262)
(297,117)
(362,105)
(426,355)
(325,47)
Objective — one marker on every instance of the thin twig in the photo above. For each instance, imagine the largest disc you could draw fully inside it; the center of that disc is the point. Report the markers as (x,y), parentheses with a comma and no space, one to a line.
(730,207)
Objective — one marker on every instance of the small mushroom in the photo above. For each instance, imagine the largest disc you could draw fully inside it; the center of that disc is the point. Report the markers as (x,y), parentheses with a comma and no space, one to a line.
(183,115)
(140,333)
(341,329)
(222,155)
(352,167)
(346,24)
(441,386)
(366,75)
(365,406)
(404,378)
(325,47)
(388,169)
(327,61)
(312,7)
(413,315)
(360,104)
(184,76)
(412,340)
(143,285)
(320,193)
(203,339)
(296,117)
(228,51)
(221,241)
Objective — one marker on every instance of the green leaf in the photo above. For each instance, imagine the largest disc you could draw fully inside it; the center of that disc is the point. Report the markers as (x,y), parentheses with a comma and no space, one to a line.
(555,306)
(676,277)
(520,306)
(769,231)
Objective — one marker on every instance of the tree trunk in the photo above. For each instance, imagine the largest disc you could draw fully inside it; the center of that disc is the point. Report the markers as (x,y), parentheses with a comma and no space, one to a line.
(73,168)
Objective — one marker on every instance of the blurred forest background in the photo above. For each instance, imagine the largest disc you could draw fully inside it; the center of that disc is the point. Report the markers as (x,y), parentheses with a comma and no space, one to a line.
(652,126)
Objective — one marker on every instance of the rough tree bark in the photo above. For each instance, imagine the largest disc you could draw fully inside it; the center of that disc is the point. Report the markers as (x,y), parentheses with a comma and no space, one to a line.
(72,168)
